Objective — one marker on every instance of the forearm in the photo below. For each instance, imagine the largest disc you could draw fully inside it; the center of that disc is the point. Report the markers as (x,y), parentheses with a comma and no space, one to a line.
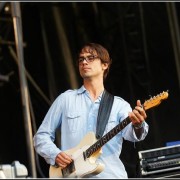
(46,148)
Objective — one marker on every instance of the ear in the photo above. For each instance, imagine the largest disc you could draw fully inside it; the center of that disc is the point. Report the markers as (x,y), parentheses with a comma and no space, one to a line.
(104,66)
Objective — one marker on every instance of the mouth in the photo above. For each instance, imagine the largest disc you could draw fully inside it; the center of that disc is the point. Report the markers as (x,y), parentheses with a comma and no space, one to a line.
(85,69)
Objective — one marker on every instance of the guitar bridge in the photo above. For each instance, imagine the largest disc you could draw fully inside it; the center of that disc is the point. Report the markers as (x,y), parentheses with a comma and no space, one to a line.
(68,169)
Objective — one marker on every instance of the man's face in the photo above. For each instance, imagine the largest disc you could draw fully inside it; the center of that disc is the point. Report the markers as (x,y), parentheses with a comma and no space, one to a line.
(90,65)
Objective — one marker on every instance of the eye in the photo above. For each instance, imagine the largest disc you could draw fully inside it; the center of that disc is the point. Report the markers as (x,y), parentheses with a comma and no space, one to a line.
(90,57)
(80,59)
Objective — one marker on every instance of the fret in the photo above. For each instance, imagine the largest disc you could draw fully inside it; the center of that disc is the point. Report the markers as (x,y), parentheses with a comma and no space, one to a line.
(117,128)
(111,133)
(99,144)
(95,147)
(104,140)
(106,137)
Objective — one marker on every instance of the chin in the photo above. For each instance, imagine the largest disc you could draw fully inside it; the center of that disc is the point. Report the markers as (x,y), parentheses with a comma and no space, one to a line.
(85,75)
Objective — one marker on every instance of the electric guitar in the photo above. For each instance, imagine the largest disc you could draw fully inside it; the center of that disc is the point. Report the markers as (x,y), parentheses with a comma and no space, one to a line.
(89,149)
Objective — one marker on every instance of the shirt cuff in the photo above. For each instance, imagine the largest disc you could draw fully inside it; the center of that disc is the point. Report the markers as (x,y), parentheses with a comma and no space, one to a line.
(53,156)
(139,126)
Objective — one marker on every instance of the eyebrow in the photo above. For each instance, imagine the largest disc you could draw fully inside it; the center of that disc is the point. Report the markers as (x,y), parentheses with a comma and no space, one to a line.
(88,55)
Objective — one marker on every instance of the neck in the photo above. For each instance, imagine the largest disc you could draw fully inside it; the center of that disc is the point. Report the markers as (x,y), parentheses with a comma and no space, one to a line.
(95,88)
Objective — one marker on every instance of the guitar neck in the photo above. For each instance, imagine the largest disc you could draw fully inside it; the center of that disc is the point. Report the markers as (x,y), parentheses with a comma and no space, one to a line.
(152,102)
(106,138)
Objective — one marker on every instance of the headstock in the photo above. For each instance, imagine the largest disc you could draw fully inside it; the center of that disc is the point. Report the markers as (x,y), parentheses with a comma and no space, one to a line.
(155,101)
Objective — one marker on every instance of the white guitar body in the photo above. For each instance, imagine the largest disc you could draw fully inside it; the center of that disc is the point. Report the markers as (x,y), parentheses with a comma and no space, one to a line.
(82,167)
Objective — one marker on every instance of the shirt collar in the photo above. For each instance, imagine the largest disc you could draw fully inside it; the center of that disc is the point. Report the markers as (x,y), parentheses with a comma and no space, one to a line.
(82,89)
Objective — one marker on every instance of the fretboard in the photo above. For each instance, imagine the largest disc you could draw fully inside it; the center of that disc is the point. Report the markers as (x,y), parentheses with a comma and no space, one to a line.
(106,137)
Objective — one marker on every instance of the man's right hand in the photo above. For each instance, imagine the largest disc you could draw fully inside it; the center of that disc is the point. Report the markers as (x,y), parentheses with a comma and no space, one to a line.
(62,159)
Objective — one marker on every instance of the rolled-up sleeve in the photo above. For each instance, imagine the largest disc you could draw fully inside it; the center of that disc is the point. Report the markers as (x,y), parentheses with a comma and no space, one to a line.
(130,135)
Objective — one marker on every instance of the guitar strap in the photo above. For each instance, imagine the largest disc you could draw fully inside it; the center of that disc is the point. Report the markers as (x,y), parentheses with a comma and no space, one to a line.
(104,113)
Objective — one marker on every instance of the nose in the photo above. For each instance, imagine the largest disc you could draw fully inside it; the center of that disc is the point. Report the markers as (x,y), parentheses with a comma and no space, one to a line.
(85,59)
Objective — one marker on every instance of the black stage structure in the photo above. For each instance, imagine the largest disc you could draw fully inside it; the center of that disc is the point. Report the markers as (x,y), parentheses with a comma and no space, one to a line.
(143,40)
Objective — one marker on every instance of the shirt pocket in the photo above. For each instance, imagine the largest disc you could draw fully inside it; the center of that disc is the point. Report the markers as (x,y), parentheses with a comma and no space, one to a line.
(75,121)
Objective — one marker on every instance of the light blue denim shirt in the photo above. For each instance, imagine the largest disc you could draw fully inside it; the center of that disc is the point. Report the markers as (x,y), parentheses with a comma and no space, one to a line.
(76,114)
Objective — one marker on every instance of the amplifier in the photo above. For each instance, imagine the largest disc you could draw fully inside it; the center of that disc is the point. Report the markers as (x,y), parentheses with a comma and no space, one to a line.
(159,160)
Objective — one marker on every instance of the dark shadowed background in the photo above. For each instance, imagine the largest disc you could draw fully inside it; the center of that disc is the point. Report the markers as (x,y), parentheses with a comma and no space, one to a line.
(143,41)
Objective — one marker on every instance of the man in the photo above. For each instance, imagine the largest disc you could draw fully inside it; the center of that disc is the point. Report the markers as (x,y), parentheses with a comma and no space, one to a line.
(75,112)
